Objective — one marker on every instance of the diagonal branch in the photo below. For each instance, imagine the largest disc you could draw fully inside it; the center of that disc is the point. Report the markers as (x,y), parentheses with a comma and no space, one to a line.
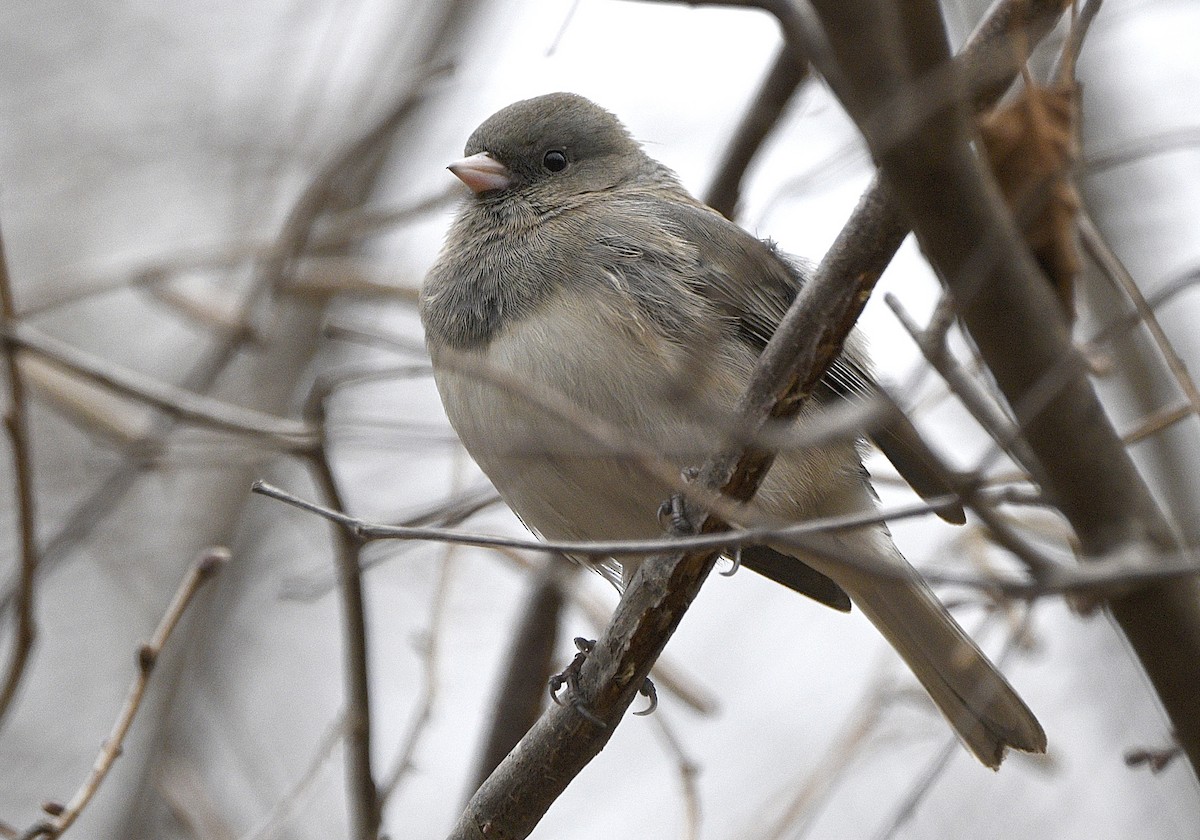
(1009,309)
(178,402)
(207,564)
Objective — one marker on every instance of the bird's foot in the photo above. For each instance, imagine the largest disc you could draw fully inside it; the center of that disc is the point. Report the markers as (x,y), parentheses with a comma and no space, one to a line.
(673,515)
(735,560)
(569,677)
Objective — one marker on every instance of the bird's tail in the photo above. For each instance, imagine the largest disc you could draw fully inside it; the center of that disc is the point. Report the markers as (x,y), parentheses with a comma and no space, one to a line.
(976,699)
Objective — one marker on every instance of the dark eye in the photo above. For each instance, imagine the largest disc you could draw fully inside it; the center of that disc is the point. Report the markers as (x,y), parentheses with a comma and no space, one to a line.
(555,161)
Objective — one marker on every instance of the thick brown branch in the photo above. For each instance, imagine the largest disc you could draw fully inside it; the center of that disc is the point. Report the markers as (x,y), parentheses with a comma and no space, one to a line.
(1009,309)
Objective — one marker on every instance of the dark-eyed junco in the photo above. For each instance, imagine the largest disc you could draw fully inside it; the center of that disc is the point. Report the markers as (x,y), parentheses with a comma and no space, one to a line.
(581,267)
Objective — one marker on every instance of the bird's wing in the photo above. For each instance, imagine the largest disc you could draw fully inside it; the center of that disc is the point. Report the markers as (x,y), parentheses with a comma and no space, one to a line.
(752,283)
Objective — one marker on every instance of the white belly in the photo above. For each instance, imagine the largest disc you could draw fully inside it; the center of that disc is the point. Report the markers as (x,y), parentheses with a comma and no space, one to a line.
(558,479)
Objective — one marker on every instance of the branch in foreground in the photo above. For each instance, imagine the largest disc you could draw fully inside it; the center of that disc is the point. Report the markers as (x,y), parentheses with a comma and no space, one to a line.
(207,564)
(175,401)
(1122,570)
(1008,307)
(725,540)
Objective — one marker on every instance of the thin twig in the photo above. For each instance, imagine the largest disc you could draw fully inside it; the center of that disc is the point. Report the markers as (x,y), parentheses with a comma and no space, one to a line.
(428,656)
(1099,250)
(454,511)
(1134,151)
(801,808)
(284,809)
(1064,65)
(337,229)
(1158,421)
(760,535)
(204,567)
(16,423)
(987,414)
(688,771)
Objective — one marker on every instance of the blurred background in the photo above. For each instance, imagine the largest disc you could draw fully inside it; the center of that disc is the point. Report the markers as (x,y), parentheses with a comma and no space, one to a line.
(197,196)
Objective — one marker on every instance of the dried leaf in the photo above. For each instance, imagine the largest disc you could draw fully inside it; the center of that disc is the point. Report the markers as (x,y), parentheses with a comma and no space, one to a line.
(1031,144)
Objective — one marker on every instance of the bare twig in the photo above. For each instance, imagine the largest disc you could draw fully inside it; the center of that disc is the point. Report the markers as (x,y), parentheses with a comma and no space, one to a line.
(428,652)
(323,191)
(688,771)
(791,534)
(274,820)
(787,72)
(1124,569)
(17,425)
(1064,66)
(987,414)
(1114,269)
(360,778)
(337,229)
(798,814)
(1158,421)
(205,566)
(1136,150)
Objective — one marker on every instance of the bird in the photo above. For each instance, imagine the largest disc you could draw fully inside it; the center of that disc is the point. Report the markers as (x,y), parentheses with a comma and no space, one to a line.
(580,267)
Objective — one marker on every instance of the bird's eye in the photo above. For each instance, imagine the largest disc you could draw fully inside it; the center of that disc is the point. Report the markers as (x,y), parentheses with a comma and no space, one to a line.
(555,161)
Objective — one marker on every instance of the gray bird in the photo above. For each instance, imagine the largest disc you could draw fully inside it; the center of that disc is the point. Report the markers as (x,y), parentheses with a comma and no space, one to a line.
(581,268)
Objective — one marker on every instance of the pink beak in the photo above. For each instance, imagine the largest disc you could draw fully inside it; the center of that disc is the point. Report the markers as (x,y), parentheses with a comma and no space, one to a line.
(482,173)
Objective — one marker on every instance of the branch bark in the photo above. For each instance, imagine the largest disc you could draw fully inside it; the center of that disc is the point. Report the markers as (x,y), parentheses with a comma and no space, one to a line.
(1009,309)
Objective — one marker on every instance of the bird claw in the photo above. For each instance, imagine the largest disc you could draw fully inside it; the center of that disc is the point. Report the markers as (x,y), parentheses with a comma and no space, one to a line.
(736,560)
(650,692)
(569,677)
(673,515)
